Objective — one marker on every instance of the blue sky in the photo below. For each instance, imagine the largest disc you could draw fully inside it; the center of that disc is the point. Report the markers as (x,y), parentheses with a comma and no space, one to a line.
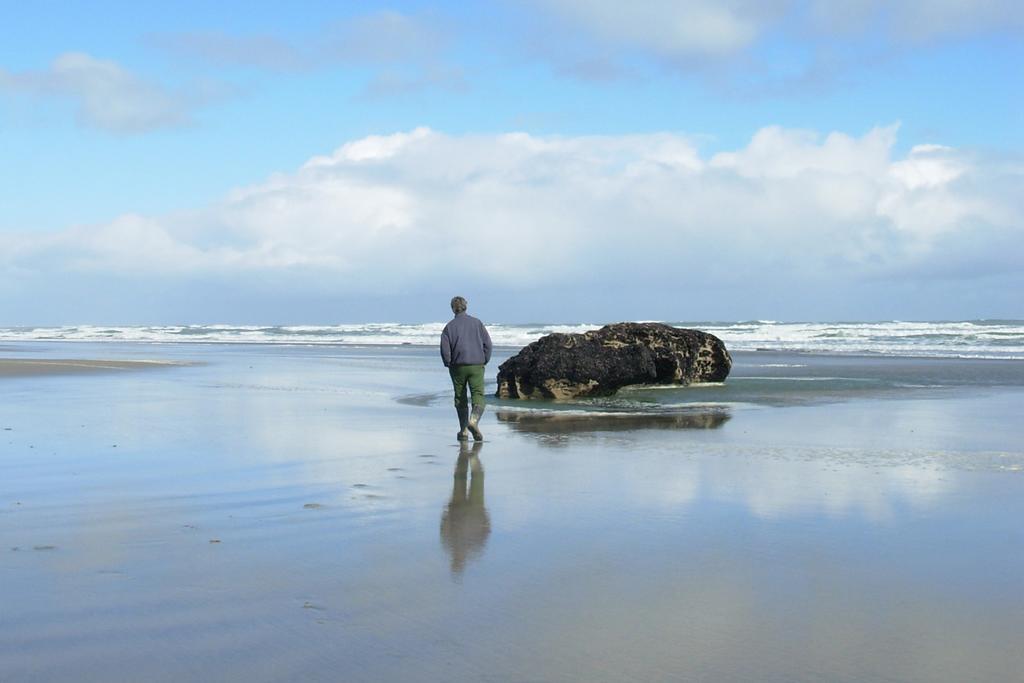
(550,159)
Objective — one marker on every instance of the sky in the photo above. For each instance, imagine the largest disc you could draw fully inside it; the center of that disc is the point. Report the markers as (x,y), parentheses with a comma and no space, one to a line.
(550,160)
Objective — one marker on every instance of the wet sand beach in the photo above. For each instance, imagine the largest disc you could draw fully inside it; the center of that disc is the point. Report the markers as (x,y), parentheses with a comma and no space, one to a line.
(271,513)
(27,367)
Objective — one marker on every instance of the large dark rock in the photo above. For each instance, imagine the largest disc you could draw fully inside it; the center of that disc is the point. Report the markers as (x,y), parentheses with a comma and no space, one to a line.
(600,362)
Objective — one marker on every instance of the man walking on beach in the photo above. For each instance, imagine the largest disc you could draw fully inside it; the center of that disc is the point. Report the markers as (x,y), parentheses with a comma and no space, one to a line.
(465,350)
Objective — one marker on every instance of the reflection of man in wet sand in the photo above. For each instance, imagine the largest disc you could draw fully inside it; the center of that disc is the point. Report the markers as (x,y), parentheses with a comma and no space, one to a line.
(465,524)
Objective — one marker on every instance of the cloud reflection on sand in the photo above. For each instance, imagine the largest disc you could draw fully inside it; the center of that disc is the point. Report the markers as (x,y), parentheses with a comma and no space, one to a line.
(771,489)
(616,456)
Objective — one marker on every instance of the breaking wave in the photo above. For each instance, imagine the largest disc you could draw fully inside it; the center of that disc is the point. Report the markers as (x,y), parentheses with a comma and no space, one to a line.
(957,339)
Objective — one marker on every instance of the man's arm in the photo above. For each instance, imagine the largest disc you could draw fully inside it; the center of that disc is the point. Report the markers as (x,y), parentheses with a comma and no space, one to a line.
(487,344)
(446,348)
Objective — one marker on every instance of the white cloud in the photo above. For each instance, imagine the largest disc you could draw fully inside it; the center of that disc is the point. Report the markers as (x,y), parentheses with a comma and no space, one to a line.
(261,51)
(776,152)
(403,53)
(918,20)
(928,166)
(132,244)
(672,28)
(824,38)
(390,82)
(399,210)
(387,37)
(107,95)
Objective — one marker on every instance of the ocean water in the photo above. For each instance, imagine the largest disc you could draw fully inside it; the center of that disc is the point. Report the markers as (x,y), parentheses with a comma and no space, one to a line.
(997,339)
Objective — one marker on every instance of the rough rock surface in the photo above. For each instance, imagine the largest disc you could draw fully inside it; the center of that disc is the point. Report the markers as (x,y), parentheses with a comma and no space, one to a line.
(600,362)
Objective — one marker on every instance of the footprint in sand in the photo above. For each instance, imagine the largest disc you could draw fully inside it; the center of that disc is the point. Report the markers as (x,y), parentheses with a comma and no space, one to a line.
(311,506)
(308,605)
(360,486)
(44,547)
(394,469)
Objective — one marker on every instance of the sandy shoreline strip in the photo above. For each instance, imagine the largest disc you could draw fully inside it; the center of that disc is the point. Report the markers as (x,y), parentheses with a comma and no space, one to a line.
(24,367)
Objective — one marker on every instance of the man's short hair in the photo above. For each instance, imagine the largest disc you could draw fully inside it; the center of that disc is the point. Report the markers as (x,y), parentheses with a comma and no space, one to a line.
(458,304)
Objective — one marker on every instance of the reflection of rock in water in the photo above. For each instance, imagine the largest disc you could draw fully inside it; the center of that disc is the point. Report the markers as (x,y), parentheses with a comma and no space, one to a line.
(554,423)
(465,524)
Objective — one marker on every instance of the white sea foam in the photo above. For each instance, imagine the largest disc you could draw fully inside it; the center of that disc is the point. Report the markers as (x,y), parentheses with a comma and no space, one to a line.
(957,339)
(672,387)
(803,379)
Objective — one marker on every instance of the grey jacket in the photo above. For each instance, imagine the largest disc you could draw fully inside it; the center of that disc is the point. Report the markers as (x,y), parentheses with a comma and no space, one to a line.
(465,342)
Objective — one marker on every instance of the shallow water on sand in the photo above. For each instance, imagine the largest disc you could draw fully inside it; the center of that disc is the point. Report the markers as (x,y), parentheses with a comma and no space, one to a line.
(305,513)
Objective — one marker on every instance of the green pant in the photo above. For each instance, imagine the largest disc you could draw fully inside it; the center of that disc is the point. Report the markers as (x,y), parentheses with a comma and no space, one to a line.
(468,374)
